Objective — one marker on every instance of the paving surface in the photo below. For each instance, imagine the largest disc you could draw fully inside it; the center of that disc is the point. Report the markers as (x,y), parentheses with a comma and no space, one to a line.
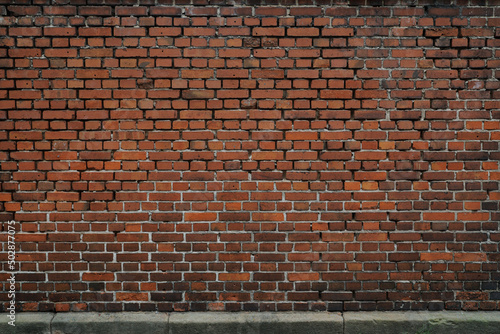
(256,323)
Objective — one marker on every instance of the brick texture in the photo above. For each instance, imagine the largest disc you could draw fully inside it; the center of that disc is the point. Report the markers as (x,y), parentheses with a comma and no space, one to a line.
(251,155)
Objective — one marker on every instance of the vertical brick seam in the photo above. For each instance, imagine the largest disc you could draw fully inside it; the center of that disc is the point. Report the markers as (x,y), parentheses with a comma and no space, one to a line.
(251,155)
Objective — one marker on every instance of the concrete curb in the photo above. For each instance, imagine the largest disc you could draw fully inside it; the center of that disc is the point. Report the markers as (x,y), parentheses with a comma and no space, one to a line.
(422,322)
(110,323)
(36,323)
(255,323)
(250,323)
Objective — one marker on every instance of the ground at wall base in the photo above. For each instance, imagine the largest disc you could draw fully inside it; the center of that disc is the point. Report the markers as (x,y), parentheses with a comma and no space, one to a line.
(253,323)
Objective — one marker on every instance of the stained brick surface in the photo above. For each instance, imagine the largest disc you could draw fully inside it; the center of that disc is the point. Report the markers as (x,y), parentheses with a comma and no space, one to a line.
(251,155)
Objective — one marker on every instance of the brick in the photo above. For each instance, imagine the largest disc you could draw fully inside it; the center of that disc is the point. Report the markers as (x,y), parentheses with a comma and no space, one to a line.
(199,74)
(232,73)
(129,32)
(267,155)
(92,74)
(198,94)
(130,11)
(98,276)
(25,31)
(201,11)
(268,74)
(234,277)
(264,216)
(370,155)
(301,32)
(302,74)
(162,74)
(441,53)
(165,11)
(60,10)
(441,32)
(53,31)
(94,31)
(95,10)
(337,32)
(199,53)
(268,31)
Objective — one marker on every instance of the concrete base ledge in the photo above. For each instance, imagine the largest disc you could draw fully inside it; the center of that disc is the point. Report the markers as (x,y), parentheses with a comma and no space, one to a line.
(422,322)
(254,323)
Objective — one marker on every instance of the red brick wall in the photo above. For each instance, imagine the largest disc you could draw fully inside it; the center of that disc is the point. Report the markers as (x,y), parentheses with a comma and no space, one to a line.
(250,157)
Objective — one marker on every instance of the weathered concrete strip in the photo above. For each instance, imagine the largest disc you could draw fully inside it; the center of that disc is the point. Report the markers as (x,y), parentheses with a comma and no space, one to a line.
(255,323)
(465,322)
(110,323)
(386,322)
(422,322)
(27,322)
